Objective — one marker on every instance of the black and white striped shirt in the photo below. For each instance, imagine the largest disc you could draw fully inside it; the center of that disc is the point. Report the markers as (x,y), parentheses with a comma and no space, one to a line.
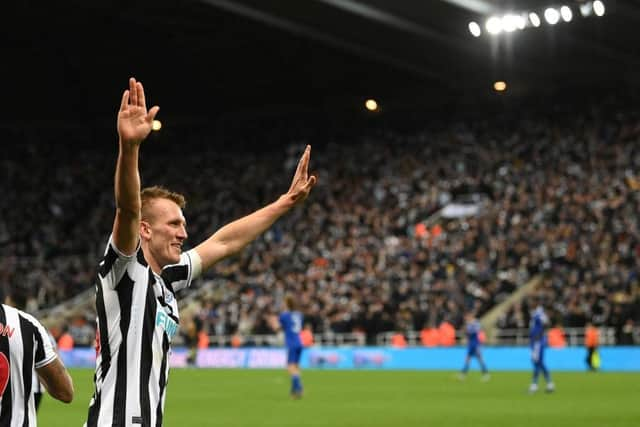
(24,345)
(137,318)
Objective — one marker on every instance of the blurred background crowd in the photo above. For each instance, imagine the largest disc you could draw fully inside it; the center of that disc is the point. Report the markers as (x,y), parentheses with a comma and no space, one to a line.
(412,223)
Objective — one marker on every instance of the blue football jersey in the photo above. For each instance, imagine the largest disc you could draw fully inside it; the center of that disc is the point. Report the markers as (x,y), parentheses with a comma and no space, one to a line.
(473,333)
(538,322)
(291,323)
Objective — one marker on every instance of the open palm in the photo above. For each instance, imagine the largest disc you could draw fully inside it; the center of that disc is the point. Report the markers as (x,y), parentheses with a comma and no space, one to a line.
(302,182)
(134,121)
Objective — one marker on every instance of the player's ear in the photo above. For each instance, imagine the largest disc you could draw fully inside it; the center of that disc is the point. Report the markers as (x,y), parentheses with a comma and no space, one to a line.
(145,230)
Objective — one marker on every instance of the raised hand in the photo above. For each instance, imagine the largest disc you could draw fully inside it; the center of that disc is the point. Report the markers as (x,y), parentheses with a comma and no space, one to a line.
(302,183)
(134,121)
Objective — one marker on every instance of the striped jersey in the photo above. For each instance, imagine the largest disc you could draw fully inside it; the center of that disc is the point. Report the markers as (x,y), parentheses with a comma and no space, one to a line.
(24,345)
(137,316)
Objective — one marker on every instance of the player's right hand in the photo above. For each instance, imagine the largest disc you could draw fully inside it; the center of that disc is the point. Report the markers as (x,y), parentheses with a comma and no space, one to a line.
(134,121)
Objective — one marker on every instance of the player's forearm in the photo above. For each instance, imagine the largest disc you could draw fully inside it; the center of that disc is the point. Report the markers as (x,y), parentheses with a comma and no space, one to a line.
(127,180)
(237,234)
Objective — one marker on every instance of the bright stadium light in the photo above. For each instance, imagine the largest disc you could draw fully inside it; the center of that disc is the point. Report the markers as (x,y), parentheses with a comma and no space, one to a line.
(156,125)
(521,21)
(586,9)
(474,29)
(371,105)
(552,16)
(509,23)
(598,8)
(500,86)
(493,25)
(565,12)
(535,19)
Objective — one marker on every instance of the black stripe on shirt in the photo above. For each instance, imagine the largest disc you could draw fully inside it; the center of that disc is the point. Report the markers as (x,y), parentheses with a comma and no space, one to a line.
(6,407)
(140,258)
(40,354)
(163,378)
(29,331)
(103,332)
(107,261)
(146,355)
(94,410)
(173,274)
(125,296)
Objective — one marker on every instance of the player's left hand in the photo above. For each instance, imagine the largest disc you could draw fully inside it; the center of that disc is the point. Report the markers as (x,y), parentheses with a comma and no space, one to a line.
(302,183)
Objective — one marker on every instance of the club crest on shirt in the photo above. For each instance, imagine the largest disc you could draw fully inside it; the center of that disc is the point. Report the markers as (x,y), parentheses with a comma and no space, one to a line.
(168,298)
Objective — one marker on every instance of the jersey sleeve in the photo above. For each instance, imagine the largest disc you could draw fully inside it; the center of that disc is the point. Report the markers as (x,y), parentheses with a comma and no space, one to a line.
(44,350)
(114,263)
(179,276)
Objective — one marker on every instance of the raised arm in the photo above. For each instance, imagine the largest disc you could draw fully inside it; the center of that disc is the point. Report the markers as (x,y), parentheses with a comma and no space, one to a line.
(134,124)
(234,236)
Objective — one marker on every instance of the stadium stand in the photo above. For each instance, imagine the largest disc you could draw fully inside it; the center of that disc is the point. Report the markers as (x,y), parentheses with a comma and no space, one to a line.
(408,226)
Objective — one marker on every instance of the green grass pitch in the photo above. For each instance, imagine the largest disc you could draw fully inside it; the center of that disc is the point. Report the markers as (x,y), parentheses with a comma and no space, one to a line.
(377,398)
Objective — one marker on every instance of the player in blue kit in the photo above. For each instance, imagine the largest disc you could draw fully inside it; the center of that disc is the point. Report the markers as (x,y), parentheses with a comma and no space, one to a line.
(538,342)
(290,321)
(473,330)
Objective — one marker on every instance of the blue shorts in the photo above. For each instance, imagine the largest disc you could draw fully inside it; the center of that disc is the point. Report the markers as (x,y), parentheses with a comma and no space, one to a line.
(293,355)
(473,351)
(537,352)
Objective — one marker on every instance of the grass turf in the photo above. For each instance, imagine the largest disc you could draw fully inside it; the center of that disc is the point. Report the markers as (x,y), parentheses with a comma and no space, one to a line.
(377,398)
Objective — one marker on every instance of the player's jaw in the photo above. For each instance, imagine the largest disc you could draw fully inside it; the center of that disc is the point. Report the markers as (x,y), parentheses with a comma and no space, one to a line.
(176,250)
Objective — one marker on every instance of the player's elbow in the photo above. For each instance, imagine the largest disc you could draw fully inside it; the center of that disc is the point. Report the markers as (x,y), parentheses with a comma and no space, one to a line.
(63,394)
(66,396)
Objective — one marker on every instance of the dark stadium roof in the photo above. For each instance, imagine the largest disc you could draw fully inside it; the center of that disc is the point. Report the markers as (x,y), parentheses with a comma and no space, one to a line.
(70,59)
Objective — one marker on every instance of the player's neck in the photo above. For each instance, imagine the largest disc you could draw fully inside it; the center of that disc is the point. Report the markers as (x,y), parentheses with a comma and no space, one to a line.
(153,264)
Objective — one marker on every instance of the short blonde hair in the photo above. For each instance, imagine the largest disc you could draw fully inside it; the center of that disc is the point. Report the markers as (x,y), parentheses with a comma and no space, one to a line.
(149,194)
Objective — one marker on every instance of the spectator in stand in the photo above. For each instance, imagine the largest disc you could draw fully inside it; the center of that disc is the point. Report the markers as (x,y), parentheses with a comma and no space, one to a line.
(430,336)
(591,341)
(556,337)
(558,196)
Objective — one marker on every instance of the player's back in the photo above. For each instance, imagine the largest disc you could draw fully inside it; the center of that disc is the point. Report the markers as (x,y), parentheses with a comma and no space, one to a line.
(24,345)
(538,321)
(291,323)
(473,333)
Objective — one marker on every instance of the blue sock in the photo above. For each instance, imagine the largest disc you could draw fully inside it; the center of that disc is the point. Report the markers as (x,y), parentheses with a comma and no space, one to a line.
(296,384)
(545,372)
(536,372)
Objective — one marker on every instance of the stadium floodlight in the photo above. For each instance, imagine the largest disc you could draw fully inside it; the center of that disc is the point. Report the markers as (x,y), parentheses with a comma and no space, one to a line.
(552,16)
(494,25)
(156,125)
(509,23)
(566,13)
(521,21)
(586,9)
(500,86)
(371,105)
(535,19)
(474,29)
(598,8)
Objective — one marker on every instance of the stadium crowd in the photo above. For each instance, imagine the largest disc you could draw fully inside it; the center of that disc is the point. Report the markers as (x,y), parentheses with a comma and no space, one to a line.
(373,250)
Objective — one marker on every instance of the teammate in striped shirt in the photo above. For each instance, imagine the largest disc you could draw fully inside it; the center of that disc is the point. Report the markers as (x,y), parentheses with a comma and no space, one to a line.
(142,269)
(25,346)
